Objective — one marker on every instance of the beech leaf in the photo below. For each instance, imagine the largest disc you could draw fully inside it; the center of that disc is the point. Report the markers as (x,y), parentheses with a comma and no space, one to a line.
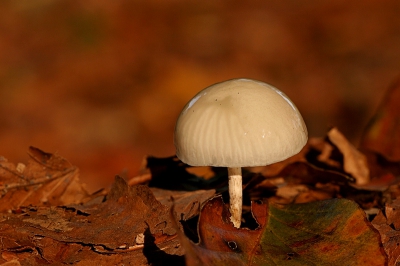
(47,180)
(130,226)
(329,232)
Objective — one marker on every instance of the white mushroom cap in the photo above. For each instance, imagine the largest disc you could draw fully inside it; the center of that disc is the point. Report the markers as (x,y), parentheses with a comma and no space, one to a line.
(239,123)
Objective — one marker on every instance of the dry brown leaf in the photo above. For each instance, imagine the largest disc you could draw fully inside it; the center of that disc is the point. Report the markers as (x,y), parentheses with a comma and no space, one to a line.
(326,149)
(388,229)
(354,162)
(382,132)
(130,226)
(392,213)
(186,203)
(47,179)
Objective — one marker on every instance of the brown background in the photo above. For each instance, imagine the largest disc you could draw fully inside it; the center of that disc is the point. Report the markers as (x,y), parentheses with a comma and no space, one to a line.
(102,82)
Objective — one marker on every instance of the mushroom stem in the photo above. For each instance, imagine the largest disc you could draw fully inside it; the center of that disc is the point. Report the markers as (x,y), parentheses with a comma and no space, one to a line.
(235,195)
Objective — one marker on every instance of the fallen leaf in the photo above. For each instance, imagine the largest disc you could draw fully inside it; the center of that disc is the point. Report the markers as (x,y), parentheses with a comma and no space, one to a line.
(384,173)
(392,212)
(330,232)
(383,131)
(47,180)
(186,203)
(354,162)
(130,226)
(299,182)
(387,223)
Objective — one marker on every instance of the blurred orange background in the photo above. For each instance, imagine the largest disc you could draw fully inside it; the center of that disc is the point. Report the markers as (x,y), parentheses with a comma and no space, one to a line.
(102,82)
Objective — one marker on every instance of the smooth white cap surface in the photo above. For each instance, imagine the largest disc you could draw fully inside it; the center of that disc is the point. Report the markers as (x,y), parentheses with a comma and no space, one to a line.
(239,123)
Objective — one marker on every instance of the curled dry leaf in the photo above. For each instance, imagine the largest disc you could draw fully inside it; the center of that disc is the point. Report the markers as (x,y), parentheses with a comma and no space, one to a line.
(330,232)
(354,162)
(47,179)
(330,158)
(326,150)
(186,203)
(392,213)
(388,225)
(130,226)
(383,173)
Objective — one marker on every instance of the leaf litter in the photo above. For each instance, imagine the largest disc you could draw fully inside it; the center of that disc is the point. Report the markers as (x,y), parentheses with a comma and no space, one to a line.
(330,204)
(331,232)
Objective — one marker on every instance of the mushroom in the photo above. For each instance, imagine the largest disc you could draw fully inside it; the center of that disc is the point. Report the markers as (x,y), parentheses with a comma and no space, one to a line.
(238,123)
